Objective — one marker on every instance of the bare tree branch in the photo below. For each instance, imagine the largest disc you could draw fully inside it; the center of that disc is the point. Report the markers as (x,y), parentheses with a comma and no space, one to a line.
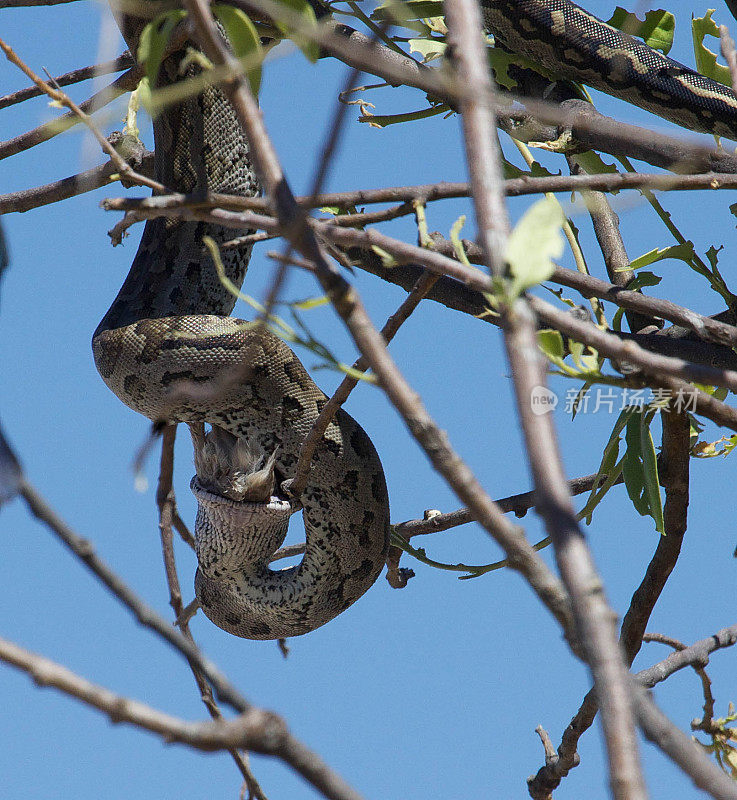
(123,61)
(367,338)
(594,620)
(251,730)
(674,474)
(168,517)
(681,749)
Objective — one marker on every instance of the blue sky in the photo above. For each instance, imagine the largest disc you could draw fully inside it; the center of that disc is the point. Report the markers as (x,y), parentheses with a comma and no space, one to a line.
(434,690)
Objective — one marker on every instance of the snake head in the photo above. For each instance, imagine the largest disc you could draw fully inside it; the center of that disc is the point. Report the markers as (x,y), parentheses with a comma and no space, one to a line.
(232,466)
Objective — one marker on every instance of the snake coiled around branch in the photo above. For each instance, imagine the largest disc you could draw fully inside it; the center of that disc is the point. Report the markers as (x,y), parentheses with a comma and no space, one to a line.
(169,350)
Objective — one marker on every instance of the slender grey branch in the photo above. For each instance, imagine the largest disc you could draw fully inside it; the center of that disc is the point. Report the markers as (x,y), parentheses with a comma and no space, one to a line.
(680,748)
(367,338)
(594,620)
(123,61)
(252,730)
(145,615)
(696,654)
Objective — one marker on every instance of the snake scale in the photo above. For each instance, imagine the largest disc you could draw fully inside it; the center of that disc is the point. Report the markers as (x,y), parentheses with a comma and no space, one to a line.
(169,350)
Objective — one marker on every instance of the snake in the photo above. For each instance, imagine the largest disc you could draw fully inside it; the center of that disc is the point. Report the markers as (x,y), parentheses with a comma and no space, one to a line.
(168,348)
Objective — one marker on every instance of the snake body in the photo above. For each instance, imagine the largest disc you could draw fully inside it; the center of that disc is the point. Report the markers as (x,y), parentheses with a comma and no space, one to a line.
(571,42)
(169,350)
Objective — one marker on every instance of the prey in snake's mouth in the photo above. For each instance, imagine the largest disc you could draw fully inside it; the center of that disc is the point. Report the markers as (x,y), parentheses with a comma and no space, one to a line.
(235,467)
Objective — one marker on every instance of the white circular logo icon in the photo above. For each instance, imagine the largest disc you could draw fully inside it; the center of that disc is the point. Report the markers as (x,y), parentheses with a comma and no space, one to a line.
(542,400)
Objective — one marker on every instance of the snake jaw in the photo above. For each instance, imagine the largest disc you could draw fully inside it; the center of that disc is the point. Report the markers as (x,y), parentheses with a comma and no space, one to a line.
(234,537)
(232,466)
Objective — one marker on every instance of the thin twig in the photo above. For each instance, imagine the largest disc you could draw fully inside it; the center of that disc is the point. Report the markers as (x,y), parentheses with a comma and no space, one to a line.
(123,61)
(124,83)
(87,181)
(696,654)
(166,502)
(341,394)
(512,187)
(334,131)
(145,615)
(706,722)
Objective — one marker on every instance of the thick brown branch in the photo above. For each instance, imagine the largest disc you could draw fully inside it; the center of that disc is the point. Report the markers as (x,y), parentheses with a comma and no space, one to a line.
(674,474)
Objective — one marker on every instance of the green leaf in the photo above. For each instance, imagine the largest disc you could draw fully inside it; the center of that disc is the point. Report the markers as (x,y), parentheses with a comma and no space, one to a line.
(244,40)
(640,469)
(593,163)
(382,121)
(551,343)
(712,255)
(310,49)
(634,478)
(500,61)
(643,278)
(706,60)
(153,41)
(683,252)
(534,242)
(650,472)
(429,49)
(407,10)
(656,30)
(609,465)
(712,449)
(616,323)
(536,171)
